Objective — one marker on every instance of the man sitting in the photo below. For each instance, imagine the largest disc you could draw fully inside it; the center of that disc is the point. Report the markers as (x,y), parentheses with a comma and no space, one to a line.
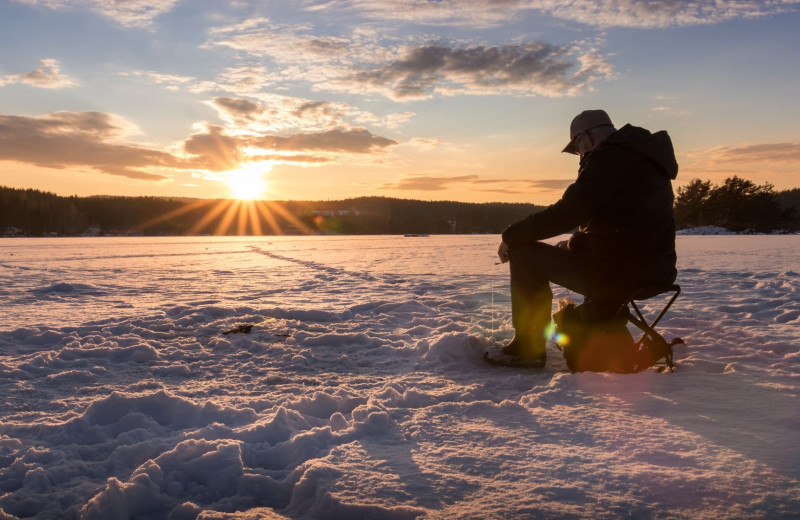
(621,205)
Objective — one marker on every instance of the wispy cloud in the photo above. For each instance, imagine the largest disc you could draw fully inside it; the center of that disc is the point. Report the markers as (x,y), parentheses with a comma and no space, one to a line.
(298,42)
(476,13)
(429,183)
(598,13)
(130,13)
(476,183)
(368,62)
(242,79)
(550,184)
(658,13)
(525,69)
(277,113)
(47,75)
(671,111)
(762,153)
(768,162)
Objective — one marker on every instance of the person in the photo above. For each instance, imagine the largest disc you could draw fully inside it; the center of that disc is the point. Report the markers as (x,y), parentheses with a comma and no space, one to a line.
(621,204)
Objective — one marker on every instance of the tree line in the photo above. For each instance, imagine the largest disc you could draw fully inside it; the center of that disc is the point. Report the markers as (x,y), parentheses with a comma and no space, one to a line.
(31,212)
(737,204)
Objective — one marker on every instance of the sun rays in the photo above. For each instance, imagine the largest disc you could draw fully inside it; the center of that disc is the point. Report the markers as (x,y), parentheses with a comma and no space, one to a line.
(233,217)
(243,214)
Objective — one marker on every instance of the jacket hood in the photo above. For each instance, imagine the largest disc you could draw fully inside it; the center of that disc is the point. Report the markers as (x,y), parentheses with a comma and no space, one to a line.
(656,147)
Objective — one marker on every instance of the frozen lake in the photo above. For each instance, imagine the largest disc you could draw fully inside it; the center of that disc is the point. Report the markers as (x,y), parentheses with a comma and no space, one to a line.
(360,391)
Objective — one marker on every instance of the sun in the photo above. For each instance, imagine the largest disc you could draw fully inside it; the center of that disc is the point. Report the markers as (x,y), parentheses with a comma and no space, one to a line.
(248,183)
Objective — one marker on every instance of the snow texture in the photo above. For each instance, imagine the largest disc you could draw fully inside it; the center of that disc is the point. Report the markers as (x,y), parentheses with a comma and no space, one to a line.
(360,391)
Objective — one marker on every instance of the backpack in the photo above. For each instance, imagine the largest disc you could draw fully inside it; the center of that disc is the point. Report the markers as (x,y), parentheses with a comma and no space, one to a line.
(591,341)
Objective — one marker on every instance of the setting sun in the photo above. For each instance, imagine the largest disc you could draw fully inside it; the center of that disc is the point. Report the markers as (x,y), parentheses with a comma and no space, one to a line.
(248,183)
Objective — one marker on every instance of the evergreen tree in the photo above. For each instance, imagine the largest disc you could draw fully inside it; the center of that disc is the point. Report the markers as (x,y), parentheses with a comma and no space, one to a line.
(690,204)
(738,204)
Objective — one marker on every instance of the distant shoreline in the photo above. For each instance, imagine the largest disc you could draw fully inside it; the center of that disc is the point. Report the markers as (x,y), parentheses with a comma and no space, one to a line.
(702,231)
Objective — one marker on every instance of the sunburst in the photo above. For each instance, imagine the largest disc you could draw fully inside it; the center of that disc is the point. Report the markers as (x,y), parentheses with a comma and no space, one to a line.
(248,182)
(244,217)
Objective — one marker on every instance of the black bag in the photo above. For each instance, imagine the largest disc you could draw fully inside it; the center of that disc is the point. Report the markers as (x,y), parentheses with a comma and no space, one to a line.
(595,338)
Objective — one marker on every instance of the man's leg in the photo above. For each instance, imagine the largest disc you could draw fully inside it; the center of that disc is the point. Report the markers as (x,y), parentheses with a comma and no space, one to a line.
(532,269)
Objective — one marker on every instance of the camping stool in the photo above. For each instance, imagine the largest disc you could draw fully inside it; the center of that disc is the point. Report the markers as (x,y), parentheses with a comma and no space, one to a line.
(650,335)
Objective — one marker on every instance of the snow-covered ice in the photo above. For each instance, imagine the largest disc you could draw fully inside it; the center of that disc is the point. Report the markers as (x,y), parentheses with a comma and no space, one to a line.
(360,391)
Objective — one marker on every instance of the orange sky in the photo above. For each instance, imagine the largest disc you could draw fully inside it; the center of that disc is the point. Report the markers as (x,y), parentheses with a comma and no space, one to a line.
(427,100)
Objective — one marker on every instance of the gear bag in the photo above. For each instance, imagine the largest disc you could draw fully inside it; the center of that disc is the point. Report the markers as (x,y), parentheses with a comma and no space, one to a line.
(591,341)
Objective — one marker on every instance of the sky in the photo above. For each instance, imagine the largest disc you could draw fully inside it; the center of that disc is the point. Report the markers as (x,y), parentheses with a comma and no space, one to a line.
(423,99)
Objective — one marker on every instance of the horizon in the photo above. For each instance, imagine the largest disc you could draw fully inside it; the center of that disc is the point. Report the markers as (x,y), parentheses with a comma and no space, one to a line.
(430,101)
(233,199)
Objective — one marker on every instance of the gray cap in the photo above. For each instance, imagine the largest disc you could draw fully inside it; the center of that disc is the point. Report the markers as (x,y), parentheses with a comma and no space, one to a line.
(584,121)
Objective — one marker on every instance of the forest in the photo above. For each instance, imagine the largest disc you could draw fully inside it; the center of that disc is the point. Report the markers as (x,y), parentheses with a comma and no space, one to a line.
(737,204)
(37,213)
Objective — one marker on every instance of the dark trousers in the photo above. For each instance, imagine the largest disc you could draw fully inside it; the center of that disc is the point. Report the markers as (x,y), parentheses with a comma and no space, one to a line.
(533,267)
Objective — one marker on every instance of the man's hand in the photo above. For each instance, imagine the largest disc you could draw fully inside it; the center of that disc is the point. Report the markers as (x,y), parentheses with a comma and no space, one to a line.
(502,252)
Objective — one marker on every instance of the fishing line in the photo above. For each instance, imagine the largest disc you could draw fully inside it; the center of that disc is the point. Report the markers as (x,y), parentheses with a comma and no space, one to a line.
(491,277)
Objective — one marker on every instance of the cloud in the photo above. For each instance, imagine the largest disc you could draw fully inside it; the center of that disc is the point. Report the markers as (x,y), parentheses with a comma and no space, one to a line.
(765,162)
(46,75)
(130,13)
(244,79)
(429,183)
(762,153)
(476,13)
(354,140)
(262,37)
(394,120)
(658,13)
(670,111)
(366,61)
(524,69)
(476,183)
(550,184)
(597,13)
(216,150)
(93,140)
(277,113)
(171,82)
(238,110)
(77,139)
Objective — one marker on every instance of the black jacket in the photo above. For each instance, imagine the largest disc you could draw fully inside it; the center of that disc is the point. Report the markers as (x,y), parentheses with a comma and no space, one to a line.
(621,204)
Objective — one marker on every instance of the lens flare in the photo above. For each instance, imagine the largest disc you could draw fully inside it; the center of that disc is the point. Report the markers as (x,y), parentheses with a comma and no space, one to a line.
(561,339)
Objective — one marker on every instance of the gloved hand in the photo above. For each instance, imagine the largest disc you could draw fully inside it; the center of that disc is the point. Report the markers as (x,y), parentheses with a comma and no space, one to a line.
(502,252)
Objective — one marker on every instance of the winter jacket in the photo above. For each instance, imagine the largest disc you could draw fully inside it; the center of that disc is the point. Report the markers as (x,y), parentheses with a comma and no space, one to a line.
(621,204)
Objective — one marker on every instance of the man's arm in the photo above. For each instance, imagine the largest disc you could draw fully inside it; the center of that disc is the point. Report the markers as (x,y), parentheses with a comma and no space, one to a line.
(596,184)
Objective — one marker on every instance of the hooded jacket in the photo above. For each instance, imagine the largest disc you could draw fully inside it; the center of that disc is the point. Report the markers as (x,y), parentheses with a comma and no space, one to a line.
(621,204)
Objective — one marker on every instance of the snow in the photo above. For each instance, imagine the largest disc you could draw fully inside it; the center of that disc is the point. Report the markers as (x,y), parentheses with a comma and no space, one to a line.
(706,230)
(360,391)
(717,230)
